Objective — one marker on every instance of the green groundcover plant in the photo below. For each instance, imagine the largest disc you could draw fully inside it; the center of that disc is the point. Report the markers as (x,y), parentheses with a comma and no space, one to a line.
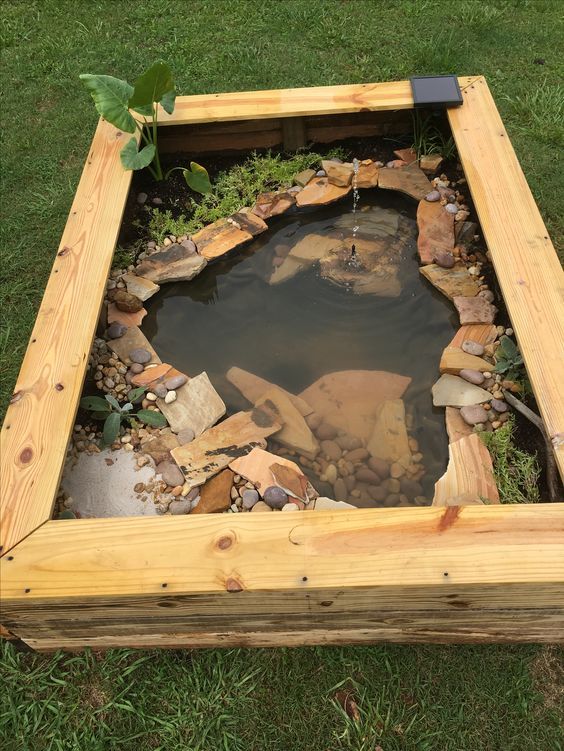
(115,100)
(114,414)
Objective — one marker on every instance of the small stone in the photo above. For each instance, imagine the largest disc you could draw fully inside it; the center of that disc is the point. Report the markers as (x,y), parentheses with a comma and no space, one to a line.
(151,397)
(393,485)
(331,450)
(509,332)
(331,474)
(474,414)
(326,432)
(433,196)
(140,356)
(136,368)
(116,330)
(170,397)
(444,259)
(261,506)
(340,490)
(234,494)
(472,348)
(185,436)
(275,497)
(175,382)
(127,302)
(157,201)
(250,497)
(170,473)
(487,294)
(364,474)
(321,173)
(179,507)
(396,471)
(499,405)
(142,198)
(380,466)
(290,507)
(161,391)
(451,208)
(472,376)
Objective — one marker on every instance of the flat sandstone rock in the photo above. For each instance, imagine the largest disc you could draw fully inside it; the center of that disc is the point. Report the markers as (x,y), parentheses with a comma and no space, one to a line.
(436,231)
(320,192)
(177,263)
(139,286)
(220,237)
(453,391)
(389,440)
(215,495)
(253,387)
(409,180)
(454,359)
(197,406)
(473,310)
(451,282)
(256,467)
(295,433)
(215,449)
(133,338)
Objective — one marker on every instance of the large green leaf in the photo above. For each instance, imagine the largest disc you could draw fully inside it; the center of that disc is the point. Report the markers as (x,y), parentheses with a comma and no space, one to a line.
(135,394)
(151,87)
(149,417)
(95,404)
(133,159)
(111,428)
(113,401)
(197,178)
(111,96)
(168,100)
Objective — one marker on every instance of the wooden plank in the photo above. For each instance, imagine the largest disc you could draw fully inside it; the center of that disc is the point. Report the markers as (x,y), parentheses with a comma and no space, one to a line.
(500,626)
(469,475)
(39,419)
(527,267)
(293,133)
(321,100)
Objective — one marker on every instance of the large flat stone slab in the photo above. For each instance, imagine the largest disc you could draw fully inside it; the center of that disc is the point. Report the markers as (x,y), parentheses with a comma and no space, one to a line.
(254,387)
(133,338)
(273,204)
(115,315)
(140,286)
(436,231)
(295,433)
(320,192)
(469,477)
(367,175)
(287,269)
(256,467)
(198,406)
(177,263)
(474,310)
(373,269)
(454,359)
(482,333)
(217,447)
(409,180)
(389,440)
(313,247)
(451,282)
(453,391)
(338,173)
(222,236)
(349,399)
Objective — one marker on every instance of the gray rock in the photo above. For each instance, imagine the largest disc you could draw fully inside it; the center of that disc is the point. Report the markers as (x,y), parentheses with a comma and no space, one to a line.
(170,473)
(451,208)
(185,436)
(116,330)
(499,405)
(275,497)
(487,294)
(136,368)
(250,497)
(142,198)
(433,196)
(160,390)
(193,494)
(180,507)
(321,173)
(175,382)
(472,376)
(474,414)
(140,356)
(189,245)
(157,201)
(473,348)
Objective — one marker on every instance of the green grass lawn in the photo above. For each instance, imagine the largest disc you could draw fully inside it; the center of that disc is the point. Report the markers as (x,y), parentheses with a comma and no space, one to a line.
(459,698)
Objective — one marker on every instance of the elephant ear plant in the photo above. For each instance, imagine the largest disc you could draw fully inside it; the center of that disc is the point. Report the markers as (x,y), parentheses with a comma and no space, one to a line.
(116,99)
(114,414)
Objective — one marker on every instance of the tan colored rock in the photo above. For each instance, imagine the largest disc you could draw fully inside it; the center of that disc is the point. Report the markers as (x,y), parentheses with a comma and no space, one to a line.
(197,406)
(454,359)
(436,231)
(456,427)
(473,310)
(133,338)
(115,315)
(320,192)
(152,376)
(217,447)
(176,263)
(159,447)
(481,333)
(140,287)
(453,391)
(273,204)
(215,495)
(313,247)
(406,155)
(295,484)
(409,180)
(249,222)
(367,175)
(328,504)
(287,270)
(219,238)
(453,282)
(256,467)
(349,399)
(389,440)
(469,477)
(337,173)
(302,178)
(295,433)
(253,387)
(430,163)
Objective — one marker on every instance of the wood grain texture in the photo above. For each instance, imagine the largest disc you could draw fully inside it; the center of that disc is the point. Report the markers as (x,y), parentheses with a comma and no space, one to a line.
(320,100)
(527,267)
(469,473)
(39,419)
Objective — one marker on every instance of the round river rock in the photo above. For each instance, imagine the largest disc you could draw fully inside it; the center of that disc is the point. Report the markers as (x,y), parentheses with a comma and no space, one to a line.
(275,497)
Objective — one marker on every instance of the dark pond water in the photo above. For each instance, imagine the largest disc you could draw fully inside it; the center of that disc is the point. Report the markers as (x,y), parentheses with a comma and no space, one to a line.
(293,332)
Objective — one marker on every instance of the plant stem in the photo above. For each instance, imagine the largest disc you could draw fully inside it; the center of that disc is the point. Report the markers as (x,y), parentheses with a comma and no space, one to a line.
(148,140)
(157,160)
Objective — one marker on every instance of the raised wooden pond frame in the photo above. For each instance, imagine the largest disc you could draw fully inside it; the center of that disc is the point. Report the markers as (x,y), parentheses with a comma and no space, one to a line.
(458,574)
